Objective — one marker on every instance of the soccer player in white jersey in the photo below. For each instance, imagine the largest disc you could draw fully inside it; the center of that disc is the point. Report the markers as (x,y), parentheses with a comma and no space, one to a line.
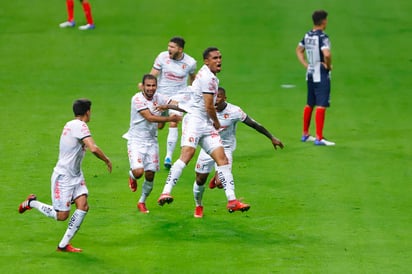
(142,144)
(174,69)
(67,181)
(229,115)
(318,64)
(200,127)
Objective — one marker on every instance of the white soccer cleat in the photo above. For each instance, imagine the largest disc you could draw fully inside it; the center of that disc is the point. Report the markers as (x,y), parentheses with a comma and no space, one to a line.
(67,24)
(86,27)
(307,138)
(324,142)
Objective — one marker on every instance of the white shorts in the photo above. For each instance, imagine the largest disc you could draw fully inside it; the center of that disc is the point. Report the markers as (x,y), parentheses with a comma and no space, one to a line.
(205,162)
(143,155)
(65,189)
(196,131)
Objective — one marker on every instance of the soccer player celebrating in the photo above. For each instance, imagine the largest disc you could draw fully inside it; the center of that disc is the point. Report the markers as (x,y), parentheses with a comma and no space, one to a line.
(228,115)
(174,69)
(67,181)
(200,127)
(142,144)
(318,64)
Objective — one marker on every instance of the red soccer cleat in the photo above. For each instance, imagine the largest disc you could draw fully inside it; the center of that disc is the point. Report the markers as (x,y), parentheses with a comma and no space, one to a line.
(25,205)
(68,248)
(165,198)
(132,184)
(142,208)
(199,212)
(212,183)
(236,205)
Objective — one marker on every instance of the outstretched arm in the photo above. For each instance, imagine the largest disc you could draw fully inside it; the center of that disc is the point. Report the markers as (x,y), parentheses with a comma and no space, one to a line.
(159,119)
(169,106)
(91,145)
(253,124)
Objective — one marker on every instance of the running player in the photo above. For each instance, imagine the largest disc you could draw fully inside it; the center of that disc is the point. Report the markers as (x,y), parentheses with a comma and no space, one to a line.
(67,181)
(142,144)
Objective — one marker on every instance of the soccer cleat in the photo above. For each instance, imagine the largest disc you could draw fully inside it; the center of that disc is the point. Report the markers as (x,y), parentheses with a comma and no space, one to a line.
(87,27)
(132,184)
(236,205)
(307,138)
(212,183)
(25,205)
(67,24)
(68,248)
(142,208)
(324,142)
(165,198)
(198,212)
(168,163)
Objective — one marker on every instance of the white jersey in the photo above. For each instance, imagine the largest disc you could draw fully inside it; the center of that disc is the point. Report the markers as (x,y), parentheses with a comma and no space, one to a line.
(72,149)
(205,82)
(173,73)
(228,119)
(140,128)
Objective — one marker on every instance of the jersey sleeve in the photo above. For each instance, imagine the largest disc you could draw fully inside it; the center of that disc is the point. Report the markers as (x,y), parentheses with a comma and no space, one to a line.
(193,68)
(302,42)
(81,131)
(208,84)
(239,114)
(139,103)
(158,62)
(324,43)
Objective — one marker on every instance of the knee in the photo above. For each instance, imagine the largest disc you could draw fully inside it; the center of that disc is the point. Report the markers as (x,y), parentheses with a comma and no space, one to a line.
(222,161)
(62,215)
(201,178)
(149,176)
(138,172)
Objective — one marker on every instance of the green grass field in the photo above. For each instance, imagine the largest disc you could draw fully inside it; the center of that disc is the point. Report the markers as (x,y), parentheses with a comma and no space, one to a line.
(342,209)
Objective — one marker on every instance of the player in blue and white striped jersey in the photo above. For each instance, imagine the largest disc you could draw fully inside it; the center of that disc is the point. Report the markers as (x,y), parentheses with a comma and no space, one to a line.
(318,64)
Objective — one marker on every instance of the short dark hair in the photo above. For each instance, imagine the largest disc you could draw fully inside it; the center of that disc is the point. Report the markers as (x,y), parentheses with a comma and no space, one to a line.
(208,51)
(178,41)
(222,90)
(148,77)
(81,106)
(318,16)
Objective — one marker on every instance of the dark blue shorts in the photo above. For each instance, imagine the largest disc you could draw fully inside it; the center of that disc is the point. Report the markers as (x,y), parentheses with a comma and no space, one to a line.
(319,93)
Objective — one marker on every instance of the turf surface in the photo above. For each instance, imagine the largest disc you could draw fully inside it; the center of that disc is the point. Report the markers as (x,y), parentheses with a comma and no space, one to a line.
(343,209)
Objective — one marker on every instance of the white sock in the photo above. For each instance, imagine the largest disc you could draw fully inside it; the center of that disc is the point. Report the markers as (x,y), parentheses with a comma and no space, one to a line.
(226,178)
(44,208)
(73,226)
(174,175)
(146,190)
(131,175)
(198,193)
(171,141)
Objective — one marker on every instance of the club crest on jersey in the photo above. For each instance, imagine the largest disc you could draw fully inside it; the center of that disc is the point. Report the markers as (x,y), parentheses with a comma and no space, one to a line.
(226,115)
